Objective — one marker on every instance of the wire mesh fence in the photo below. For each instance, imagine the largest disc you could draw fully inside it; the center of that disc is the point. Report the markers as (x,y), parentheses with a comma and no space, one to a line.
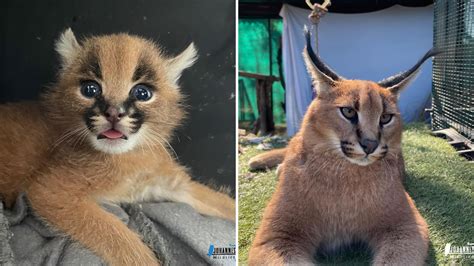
(453,71)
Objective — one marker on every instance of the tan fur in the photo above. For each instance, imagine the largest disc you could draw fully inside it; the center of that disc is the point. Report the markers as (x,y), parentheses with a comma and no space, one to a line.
(326,198)
(46,149)
(267,160)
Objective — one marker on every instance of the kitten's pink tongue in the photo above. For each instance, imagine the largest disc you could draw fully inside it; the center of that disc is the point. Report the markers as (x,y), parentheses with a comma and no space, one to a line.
(112,134)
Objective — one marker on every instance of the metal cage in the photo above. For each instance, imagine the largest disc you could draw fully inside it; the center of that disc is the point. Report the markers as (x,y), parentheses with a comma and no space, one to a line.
(453,71)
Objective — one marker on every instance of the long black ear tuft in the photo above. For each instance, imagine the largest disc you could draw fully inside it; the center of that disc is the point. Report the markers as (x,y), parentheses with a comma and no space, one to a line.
(316,60)
(398,82)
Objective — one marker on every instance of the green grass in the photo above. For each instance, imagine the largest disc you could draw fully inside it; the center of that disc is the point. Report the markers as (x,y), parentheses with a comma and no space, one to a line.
(440,182)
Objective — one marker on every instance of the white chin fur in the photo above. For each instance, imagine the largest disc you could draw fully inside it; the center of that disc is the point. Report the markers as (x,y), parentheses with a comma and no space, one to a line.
(361,162)
(116,146)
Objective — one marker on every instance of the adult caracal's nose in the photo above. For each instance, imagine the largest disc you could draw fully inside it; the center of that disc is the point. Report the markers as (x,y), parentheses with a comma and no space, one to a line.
(369,145)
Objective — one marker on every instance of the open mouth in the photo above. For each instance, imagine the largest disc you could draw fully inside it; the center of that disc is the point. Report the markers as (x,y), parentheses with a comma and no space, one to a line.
(112,134)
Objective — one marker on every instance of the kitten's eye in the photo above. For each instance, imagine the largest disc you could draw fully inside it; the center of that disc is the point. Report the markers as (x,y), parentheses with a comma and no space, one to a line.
(141,92)
(385,119)
(349,113)
(90,89)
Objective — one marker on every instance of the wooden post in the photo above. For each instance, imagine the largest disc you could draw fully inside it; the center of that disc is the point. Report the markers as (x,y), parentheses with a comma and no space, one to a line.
(264,100)
(264,124)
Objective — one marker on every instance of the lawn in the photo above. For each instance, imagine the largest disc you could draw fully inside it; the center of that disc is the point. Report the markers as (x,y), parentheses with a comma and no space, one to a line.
(440,182)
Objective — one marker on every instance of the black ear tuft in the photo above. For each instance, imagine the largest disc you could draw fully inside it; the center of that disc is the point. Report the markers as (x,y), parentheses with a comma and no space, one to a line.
(316,60)
(397,82)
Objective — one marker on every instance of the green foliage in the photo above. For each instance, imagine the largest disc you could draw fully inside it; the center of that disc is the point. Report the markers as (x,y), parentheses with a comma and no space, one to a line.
(254,56)
(441,183)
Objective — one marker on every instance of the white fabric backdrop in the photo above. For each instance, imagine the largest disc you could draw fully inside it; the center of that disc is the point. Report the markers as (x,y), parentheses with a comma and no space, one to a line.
(368,46)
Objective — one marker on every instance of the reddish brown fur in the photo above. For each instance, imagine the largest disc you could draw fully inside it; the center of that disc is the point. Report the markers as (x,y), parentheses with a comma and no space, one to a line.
(267,160)
(64,176)
(324,200)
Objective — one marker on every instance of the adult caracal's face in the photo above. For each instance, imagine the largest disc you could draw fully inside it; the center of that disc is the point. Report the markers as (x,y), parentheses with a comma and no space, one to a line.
(116,92)
(360,120)
(357,119)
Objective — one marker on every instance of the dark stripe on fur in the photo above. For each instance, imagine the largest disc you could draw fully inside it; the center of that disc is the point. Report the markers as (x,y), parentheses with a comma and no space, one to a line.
(101,105)
(144,71)
(135,113)
(92,65)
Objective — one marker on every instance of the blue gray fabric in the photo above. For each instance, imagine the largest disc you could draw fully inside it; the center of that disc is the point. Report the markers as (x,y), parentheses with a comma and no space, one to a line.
(370,46)
(175,231)
(6,254)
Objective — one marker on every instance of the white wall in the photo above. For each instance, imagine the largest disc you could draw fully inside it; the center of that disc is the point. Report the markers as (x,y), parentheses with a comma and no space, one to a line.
(360,46)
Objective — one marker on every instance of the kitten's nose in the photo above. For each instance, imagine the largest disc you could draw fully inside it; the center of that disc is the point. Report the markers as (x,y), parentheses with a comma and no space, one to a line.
(369,145)
(114,114)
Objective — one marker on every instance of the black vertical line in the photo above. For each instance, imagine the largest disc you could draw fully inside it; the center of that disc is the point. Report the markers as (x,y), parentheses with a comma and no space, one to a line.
(271,60)
(270,45)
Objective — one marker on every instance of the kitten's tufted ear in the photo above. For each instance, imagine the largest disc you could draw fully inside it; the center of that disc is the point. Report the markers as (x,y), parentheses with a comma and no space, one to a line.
(182,61)
(67,47)
(322,75)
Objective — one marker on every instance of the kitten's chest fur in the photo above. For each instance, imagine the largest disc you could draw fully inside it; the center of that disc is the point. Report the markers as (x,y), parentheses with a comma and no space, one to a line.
(110,172)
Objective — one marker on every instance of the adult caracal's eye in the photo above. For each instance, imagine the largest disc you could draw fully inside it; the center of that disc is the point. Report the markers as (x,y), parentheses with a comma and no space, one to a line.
(349,113)
(385,118)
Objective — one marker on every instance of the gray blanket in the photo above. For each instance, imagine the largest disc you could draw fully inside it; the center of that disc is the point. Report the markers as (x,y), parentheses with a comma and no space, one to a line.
(176,232)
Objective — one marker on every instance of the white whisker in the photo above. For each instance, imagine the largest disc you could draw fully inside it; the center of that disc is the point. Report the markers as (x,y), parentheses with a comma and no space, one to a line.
(65,136)
(158,135)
